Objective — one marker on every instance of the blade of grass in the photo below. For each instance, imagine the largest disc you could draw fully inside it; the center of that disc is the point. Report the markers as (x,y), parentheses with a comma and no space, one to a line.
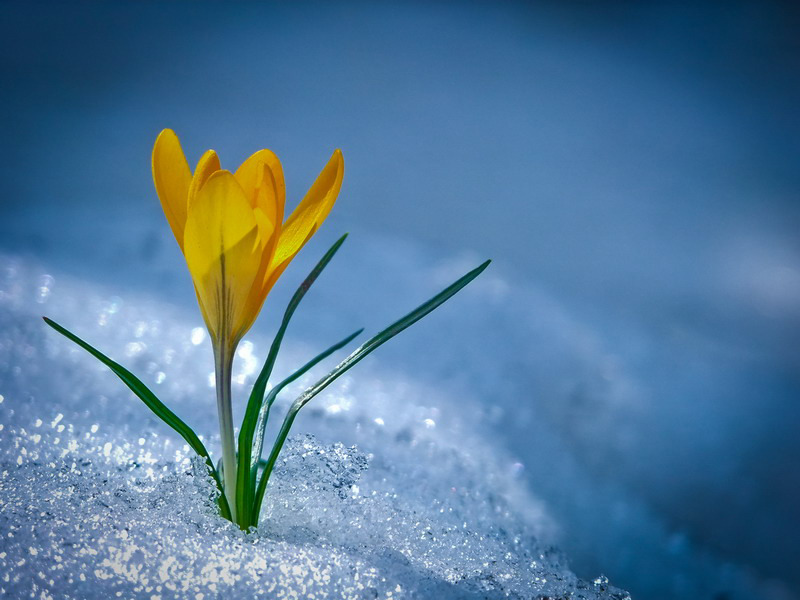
(245,482)
(153,403)
(349,362)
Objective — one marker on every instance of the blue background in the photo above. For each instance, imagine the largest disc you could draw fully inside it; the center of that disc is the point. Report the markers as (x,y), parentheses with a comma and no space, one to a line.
(637,162)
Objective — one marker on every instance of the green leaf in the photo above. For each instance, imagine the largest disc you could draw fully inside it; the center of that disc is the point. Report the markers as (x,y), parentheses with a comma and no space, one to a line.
(348,363)
(263,415)
(245,480)
(153,403)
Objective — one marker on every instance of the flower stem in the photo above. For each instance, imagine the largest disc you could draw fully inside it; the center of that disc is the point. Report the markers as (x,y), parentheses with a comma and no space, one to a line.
(223,362)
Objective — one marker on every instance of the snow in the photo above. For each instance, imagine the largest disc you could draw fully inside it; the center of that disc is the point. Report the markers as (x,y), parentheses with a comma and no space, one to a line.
(99,500)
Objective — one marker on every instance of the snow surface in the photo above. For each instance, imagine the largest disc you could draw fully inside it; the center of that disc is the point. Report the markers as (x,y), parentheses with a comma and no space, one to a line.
(99,498)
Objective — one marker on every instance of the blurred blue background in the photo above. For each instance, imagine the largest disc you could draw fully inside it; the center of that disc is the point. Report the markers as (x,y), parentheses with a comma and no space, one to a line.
(638,163)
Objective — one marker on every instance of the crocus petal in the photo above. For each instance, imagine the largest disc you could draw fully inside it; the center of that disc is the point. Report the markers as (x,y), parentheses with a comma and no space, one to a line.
(270,197)
(268,232)
(172,178)
(310,213)
(208,164)
(223,252)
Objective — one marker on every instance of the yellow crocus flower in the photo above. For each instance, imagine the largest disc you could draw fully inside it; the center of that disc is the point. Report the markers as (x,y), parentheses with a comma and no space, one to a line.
(230,229)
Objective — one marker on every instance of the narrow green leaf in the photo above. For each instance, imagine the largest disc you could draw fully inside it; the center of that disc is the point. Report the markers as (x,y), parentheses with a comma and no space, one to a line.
(263,415)
(348,363)
(245,481)
(152,402)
